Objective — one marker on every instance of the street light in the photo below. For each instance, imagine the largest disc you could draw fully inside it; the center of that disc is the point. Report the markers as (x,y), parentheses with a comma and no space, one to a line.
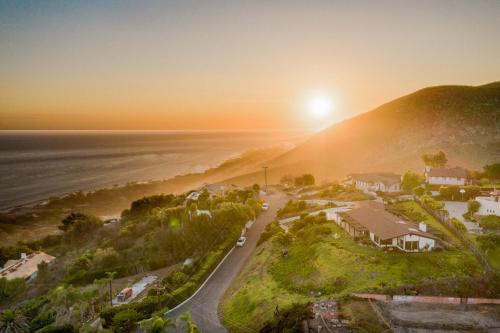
(462,191)
(265,178)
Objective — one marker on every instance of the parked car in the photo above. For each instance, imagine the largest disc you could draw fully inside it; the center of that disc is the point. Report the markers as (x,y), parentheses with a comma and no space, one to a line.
(241,241)
(265,206)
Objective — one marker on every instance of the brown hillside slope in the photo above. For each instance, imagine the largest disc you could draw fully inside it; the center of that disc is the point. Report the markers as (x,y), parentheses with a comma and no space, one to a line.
(463,121)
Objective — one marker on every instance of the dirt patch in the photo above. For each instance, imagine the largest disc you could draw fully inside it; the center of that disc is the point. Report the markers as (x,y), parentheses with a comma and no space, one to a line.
(420,317)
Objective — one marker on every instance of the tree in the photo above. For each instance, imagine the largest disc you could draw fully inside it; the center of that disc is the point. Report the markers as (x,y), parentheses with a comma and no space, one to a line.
(286,180)
(125,321)
(488,242)
(438,160)
(43,274)
(473,206)
(410,181)
(157,325)
(256,188)
(13,322)
(305,180)
(492,171)
(284,239)
(190,325)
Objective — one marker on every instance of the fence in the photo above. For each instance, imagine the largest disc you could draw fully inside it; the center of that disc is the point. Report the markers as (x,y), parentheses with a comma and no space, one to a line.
(443,217)
(429,299)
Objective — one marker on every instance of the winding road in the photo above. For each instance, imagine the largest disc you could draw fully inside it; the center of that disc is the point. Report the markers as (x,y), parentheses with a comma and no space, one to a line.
(204,305)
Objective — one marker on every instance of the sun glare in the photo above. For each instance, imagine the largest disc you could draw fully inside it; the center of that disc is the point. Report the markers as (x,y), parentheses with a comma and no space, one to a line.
(320,107)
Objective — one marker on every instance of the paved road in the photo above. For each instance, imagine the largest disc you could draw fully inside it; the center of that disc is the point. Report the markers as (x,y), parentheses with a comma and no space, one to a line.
(203,306)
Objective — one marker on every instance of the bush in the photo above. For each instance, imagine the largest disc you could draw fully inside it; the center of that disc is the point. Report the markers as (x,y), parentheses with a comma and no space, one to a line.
(270,230)
(125,321)
(65,328)
(490,222)
(43,319)
(458,225)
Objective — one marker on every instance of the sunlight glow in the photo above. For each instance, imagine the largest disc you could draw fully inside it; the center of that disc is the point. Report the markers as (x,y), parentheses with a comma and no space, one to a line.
(320,107)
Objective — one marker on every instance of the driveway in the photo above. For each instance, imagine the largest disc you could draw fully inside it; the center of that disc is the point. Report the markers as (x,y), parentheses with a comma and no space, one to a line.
(204,305)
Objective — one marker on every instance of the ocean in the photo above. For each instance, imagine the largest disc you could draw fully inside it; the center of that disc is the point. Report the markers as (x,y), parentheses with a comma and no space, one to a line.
(36,165)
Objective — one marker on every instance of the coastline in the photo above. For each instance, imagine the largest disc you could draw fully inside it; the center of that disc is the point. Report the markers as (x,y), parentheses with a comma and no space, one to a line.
(21,222)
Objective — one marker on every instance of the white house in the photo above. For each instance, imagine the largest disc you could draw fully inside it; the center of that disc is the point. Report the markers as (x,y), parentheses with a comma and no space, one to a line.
(26,267)
(386,230)
(446,176)
(489,205)
(375,182)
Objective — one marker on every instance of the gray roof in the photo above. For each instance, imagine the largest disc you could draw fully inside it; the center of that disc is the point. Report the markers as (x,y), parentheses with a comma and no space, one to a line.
(448,172)
(386,178)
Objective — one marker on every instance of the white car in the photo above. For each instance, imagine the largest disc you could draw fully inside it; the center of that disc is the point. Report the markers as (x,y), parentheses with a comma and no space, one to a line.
(265,206)
(241,241)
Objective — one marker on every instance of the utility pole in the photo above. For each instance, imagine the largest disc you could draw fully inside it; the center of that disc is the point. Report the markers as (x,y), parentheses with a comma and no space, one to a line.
(265,178)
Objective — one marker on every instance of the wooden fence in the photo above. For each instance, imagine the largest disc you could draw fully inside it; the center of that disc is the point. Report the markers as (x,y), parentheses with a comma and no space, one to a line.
(443,217)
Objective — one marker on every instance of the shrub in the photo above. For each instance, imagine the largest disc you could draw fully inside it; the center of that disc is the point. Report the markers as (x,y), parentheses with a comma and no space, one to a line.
(43,319)
(490,222)
(458,225)
(65,328)
(125,321)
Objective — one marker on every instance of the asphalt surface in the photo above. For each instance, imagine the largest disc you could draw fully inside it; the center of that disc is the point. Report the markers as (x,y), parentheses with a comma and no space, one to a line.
(204,305)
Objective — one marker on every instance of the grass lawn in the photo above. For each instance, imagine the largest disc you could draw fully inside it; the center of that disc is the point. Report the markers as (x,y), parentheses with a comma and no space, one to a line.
(334,267)
(493,256)
(429,219)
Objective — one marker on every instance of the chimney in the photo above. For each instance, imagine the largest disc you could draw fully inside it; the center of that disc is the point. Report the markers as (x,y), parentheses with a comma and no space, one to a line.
(422,226)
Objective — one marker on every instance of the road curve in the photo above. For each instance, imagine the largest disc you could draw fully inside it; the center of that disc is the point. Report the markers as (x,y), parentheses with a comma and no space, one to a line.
(203,306)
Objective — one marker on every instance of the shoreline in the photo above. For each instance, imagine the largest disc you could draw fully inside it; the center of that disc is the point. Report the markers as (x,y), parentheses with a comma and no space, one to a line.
(40,203)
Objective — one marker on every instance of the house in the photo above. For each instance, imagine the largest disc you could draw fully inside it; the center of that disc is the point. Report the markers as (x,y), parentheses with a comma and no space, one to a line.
(375,182)
(446,176)
(26,267)
(386,230)
(490,205)
(193,196)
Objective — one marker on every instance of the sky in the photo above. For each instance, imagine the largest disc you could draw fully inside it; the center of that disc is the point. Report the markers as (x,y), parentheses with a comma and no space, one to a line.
(252,65)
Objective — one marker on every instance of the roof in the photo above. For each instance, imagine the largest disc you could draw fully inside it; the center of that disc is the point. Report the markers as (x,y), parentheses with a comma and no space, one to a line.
(456,172)
(24,268)
(382,223)
(384,177)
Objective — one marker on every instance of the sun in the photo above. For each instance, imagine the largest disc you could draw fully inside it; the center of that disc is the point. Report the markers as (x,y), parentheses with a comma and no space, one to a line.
(320,107)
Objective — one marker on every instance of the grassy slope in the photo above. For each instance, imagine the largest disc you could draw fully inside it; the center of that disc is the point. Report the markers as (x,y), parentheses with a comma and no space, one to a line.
(429,219)
(316,265)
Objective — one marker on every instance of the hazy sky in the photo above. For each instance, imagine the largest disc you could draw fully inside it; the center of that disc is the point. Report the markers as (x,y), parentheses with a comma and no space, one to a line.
(231,64)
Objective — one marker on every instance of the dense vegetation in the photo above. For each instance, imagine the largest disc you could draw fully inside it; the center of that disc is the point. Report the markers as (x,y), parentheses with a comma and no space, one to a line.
(155,232)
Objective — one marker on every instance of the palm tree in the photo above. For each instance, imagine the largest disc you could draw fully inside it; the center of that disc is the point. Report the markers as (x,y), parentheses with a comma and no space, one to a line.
(190,325)
(157,324)
(13,322)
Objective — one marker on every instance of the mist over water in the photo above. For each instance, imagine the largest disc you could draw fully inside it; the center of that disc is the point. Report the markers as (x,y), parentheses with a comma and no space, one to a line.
(37,165)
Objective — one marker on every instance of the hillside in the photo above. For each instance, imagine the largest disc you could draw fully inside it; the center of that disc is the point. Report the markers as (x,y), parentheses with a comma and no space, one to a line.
(463,121)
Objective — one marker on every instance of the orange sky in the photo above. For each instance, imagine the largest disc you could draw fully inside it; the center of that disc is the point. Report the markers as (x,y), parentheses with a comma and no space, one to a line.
(231,65)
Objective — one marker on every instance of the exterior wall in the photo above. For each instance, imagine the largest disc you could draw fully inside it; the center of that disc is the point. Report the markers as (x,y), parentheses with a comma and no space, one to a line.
(378,186)
(446,181)
(422,242)
(488,206)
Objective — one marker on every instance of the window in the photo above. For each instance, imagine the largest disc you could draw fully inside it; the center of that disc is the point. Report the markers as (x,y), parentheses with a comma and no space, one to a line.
(411,245)
(386,241)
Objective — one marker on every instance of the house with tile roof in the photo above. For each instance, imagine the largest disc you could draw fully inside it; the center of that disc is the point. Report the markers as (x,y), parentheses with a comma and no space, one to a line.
(446,176)
(386,230)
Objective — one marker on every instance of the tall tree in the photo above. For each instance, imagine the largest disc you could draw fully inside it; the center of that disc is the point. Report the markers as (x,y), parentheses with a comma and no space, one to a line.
(438,160)
(410,181)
